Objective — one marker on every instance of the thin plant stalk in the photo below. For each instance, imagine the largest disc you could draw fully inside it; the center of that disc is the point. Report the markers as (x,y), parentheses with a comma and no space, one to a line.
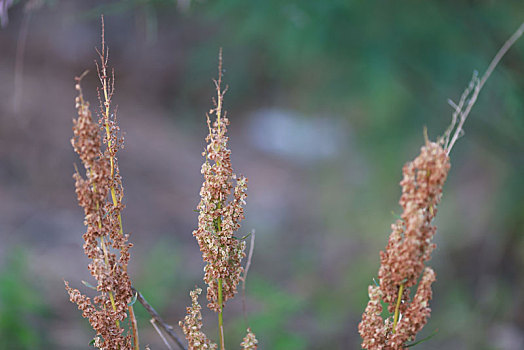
(221,316)
(397,307)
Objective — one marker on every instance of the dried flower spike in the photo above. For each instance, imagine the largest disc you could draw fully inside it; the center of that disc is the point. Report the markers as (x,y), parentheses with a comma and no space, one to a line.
(410,242)
(100,194)
(220,212)
(192,325)
(250,341)
(219,217)
(409,247)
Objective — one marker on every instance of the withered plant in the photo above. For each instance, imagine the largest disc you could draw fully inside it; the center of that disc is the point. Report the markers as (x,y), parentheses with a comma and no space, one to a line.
(403,262)
(220,213)
(99,191)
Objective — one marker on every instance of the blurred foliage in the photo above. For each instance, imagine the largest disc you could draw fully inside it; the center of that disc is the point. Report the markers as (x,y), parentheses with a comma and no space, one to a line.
(22,311)
(159,272)
(393,61)
(397,62)
(277,309)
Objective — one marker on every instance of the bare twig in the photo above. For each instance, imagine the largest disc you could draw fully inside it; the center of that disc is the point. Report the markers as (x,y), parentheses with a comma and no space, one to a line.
(246,270)
(159,331)
(458,107)
(134,327)
(159,321)
(473,90)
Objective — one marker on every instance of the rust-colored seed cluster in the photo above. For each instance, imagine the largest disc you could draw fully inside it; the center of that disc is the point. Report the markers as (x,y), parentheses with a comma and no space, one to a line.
(409,247)
(250,341)
(192,325)
(100,194)
(220,215)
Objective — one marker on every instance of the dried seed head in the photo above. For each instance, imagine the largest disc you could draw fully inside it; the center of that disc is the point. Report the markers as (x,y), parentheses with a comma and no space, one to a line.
(416,315)
(410,244)
(192,325)
(100,193)
(250,341)
(220,211)
(372,328)
(409,247)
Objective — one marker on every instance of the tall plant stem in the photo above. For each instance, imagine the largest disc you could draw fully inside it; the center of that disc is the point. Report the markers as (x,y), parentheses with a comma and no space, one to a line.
(108,92)
(220,317)
(397,307)
(134,327)
(220,297)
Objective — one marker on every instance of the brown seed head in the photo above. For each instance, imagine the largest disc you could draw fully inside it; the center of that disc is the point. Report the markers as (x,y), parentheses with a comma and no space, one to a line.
(100,194)
(409,247)
(220,211)
(250,341)
(192,325)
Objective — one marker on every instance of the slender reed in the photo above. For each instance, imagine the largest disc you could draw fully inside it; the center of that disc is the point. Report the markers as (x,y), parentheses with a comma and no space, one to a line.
(100,193)
(220,213)
(410,243)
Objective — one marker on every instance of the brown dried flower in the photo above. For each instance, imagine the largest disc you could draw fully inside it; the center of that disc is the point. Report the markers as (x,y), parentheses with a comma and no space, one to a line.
(250,341)
(192,325)
(416,314)
(410,243)
(220,211)
(372,324)
(100,194)
(409,247)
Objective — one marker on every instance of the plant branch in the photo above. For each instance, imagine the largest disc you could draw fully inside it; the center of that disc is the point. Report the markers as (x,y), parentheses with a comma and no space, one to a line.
(246,270)
(221,316)
(159,321)
(159,331)
(134,327)
(474,88)
(397,307)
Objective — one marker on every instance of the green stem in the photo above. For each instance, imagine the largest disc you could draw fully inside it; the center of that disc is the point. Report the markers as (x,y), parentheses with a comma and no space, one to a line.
(397,307)
(220,316)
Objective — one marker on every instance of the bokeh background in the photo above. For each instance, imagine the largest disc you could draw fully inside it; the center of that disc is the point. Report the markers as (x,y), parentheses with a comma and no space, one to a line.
(327,100)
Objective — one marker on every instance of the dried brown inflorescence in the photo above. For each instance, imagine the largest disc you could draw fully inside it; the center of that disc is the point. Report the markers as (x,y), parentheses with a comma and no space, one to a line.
(410,243)
(402,263)
(250,341)
(192,325)
(100,193)
(220,211)
(372,325)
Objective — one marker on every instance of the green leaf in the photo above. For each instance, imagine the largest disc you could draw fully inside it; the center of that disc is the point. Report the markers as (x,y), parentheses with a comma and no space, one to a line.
(422,340)
(133,300)
(88,285)
(396,216)
(243,238)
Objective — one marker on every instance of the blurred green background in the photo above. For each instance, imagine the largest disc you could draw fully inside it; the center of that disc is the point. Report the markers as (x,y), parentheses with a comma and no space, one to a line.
(327,100)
